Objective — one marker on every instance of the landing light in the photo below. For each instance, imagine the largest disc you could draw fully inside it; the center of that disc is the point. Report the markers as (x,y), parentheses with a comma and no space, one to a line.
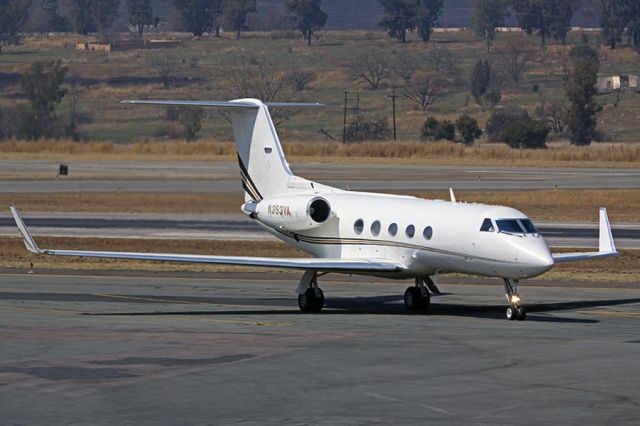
(515,299)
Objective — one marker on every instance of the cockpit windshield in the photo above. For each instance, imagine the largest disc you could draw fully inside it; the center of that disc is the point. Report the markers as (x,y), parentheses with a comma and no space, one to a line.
(516,226)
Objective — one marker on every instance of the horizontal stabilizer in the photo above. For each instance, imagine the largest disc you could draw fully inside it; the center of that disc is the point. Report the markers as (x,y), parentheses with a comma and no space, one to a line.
(606,246)
(241,103)
(317,264)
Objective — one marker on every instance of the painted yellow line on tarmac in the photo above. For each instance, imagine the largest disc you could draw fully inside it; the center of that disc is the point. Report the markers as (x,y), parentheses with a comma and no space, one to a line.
(612,314)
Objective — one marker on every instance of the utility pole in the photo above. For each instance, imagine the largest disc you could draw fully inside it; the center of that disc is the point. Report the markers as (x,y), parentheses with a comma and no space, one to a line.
(344,120)
(393,100)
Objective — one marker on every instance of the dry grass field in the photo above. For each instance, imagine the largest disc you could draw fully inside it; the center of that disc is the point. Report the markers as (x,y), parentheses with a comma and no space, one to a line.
(554,205)
(203,68)
(14,256)
(401,152)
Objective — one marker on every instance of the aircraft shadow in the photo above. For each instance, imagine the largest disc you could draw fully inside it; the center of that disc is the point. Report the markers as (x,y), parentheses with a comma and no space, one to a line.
(391,305)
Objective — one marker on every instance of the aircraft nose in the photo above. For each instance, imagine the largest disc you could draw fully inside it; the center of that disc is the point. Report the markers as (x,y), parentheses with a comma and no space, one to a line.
(536,254)
(543,259)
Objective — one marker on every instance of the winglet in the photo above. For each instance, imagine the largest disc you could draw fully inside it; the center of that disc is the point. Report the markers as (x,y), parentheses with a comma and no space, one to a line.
(607,245)
(452,195)
(28,239)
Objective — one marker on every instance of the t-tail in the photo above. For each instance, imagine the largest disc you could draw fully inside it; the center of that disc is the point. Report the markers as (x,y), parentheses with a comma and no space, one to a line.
(263,166)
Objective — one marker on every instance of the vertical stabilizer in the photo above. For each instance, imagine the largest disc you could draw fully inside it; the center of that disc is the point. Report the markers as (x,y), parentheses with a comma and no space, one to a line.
(263,166)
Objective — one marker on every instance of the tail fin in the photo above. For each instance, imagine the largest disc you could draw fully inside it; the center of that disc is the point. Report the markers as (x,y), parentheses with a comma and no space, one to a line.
(263,166)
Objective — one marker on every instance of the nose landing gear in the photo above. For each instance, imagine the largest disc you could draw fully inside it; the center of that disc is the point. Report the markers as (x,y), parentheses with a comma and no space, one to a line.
(514,311)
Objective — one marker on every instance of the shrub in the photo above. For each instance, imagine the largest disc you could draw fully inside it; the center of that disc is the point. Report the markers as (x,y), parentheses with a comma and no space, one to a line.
(526,133)
(368,130)
(191,122)
(468,129)
(298,79)
(435,130)
(501,119)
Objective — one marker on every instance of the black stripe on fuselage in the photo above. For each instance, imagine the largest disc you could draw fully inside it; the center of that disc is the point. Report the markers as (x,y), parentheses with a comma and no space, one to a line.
(361,241)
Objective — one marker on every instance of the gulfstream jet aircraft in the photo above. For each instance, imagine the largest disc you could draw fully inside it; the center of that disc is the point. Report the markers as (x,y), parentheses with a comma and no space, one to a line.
(364,233)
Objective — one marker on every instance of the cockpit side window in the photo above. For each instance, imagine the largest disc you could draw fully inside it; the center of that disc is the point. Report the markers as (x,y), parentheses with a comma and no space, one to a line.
(487,226)
(529,226)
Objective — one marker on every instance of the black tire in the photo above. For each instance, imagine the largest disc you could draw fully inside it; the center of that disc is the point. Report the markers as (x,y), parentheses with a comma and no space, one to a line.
(512,313)
(424,299)
(411,298)
(318,301)
(307,301)
(522,313)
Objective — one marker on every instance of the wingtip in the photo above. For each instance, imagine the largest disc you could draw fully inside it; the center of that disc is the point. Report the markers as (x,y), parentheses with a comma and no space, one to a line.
(28,240)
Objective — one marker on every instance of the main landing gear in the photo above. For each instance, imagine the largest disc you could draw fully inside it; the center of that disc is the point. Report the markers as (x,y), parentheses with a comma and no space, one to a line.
(418,298)
(514,311)
(310,296)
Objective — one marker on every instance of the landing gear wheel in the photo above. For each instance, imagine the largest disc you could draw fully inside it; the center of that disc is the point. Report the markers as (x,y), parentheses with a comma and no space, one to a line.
(416,298)
(309,302)
(319,301)
(424,299)
(411,298)
(512,313)
(522,313)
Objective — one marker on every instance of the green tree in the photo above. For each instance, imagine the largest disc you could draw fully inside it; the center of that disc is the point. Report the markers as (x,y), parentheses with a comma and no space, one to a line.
(427,14)
(500,119)
(307,16)
(235,14)
(487,16)
(550,18)
(191,121)
(104,13)
(468,129)
(81,17)
(480,80)
(613,17)
(200,16)
(633,27)
(526,133)
(140,14)
(13,15)
(399,17)
(41,85)
(580,85)
(51,12)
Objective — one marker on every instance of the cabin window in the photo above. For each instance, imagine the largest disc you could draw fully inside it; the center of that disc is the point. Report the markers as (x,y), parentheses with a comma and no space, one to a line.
(487,226)
(375,228)
(393,229)
(358,226)
(410,231)
(427,233)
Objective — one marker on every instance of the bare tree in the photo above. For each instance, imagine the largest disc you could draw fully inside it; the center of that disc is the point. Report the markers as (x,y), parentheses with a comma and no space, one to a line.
(371,67)
(405,65)
(554,115)
(440,58)
(423,91)
(165,67)
(262,83)
(516,57)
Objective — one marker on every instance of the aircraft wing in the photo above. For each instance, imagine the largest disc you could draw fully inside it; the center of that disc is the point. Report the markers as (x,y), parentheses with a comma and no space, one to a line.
(607,247)
(317,264)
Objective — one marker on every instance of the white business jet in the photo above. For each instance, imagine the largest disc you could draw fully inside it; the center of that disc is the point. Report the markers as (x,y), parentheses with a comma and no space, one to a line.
(350,232)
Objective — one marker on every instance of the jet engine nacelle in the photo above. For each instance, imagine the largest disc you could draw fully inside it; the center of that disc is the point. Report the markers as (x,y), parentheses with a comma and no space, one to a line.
(293,213)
